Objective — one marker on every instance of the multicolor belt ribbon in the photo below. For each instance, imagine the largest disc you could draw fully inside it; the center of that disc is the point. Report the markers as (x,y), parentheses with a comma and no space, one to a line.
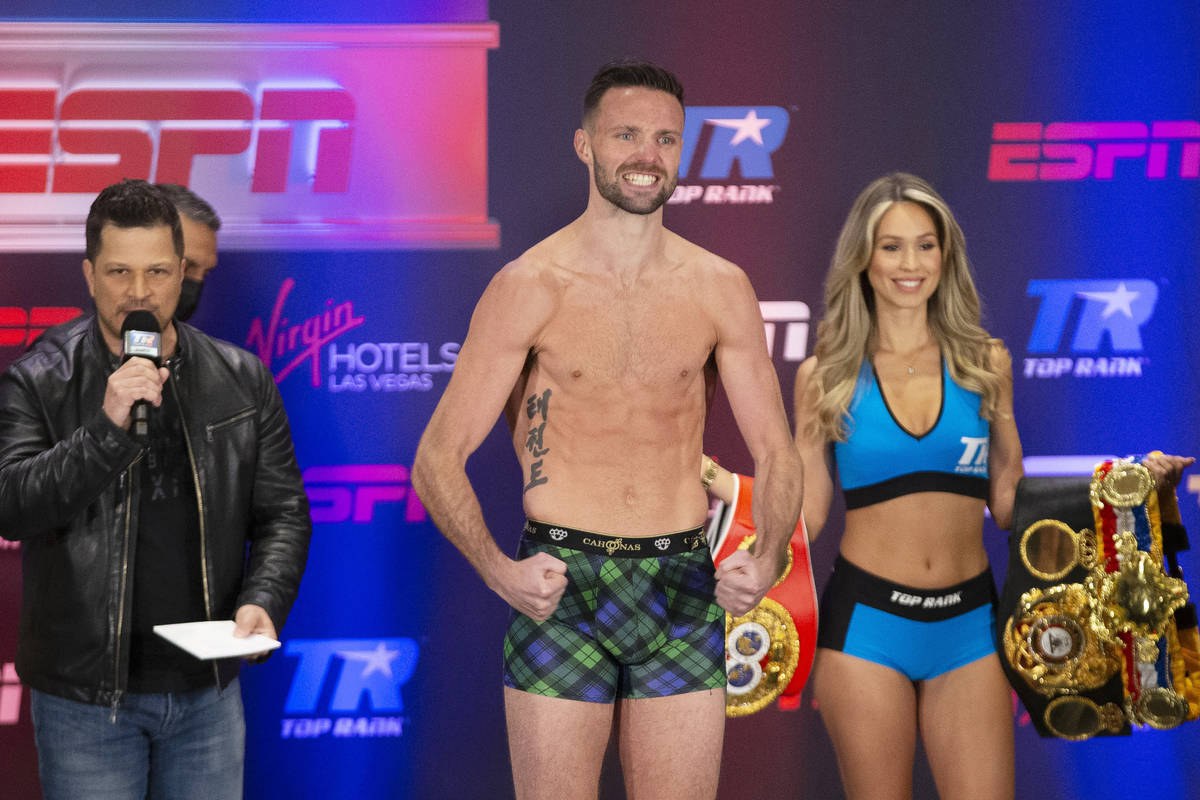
(1137,598)
(1070,638)
(769,651)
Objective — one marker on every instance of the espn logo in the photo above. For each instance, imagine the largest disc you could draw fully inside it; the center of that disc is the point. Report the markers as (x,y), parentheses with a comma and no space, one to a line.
(350,493)
(286,128)
(792,317)
(10,695)
(20,326)
(1075,151)
(104,135)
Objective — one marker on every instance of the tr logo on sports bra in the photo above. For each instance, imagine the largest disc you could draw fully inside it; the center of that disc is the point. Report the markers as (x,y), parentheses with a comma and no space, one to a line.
(975,454)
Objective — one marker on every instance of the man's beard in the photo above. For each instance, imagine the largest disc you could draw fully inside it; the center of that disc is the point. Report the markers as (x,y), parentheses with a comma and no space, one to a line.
(610,189)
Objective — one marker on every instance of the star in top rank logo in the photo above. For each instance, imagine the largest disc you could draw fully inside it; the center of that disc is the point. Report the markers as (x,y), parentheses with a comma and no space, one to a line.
(378,660)
(1119,299)
(749,127)
(727,144)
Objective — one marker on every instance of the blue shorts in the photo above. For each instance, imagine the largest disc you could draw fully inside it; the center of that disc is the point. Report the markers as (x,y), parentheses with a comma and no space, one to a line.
(920,633)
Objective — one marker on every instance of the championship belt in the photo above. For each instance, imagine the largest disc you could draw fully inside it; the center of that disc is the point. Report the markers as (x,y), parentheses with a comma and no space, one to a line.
(769,651)
(1092,644)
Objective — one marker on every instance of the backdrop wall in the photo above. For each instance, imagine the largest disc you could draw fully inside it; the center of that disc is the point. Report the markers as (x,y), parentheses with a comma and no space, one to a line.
(1064,137)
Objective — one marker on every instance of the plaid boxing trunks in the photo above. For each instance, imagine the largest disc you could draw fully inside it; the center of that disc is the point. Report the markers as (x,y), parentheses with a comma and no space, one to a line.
(637,619)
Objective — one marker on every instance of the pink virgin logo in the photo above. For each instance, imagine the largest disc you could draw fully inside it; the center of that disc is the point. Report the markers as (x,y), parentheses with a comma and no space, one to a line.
(293,344)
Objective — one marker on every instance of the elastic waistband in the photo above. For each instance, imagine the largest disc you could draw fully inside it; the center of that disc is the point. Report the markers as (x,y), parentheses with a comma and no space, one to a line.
(925,605)
(616,546)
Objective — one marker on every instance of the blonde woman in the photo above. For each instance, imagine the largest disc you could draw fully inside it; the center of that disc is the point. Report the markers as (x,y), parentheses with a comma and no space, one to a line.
(912,400)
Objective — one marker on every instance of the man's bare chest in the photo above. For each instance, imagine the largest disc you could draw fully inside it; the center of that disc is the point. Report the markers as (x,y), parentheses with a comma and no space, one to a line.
(617,338)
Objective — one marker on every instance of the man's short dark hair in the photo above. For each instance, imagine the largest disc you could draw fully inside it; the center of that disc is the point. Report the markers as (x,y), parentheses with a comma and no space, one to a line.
(131,204)
(629,73)
(191,205)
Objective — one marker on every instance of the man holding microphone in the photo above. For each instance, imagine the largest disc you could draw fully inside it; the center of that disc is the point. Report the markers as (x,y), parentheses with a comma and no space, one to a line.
(201,517)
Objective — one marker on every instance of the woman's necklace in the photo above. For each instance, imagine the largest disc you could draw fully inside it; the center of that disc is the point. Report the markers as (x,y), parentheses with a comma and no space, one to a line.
(910,366)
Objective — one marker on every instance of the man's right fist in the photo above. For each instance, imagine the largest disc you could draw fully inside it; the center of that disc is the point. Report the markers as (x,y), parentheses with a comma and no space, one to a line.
(136,379)
(534,585)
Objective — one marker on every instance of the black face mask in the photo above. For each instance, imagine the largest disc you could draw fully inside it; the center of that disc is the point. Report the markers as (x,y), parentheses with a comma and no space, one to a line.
(189,298)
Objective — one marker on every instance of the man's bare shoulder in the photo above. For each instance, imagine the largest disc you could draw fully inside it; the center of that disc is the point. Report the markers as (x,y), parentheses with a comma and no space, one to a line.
(721,282)
(702,263)
(525,293)
(532,277)
(543,266)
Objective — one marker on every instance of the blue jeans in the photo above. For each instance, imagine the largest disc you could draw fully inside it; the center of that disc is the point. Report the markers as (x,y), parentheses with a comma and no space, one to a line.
(185,746)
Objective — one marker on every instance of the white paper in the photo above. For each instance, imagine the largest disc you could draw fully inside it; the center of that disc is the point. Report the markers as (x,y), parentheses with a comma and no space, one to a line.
(206,640)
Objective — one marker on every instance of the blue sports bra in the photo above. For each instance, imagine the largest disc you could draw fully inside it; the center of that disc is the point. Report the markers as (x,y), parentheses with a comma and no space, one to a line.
(881,459)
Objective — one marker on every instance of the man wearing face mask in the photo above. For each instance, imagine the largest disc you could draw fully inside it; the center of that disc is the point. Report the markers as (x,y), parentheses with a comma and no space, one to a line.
(198,514)
(200,225)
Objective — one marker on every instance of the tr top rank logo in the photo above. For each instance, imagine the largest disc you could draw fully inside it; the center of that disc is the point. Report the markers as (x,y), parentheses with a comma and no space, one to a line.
(1106,336)
(715,139)
(348,688)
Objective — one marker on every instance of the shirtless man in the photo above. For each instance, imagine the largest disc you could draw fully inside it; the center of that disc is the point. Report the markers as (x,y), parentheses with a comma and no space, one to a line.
(595,344)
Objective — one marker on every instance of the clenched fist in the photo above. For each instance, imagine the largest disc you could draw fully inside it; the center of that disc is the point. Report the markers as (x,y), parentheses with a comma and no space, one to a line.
(136,379)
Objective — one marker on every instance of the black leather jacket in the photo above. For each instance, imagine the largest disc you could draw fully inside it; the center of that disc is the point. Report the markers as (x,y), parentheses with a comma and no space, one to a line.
(69,492)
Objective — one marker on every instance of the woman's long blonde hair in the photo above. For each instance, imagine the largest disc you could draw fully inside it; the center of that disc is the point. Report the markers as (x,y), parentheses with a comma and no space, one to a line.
(847,332)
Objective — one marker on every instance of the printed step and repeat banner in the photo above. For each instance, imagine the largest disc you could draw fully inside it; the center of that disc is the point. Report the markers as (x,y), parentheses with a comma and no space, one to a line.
(374,167)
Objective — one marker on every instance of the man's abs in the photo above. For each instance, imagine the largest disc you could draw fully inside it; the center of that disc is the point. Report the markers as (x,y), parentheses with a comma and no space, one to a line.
(583,468)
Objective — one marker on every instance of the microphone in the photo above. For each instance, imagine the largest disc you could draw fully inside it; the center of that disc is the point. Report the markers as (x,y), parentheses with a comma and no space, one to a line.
(141,335)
